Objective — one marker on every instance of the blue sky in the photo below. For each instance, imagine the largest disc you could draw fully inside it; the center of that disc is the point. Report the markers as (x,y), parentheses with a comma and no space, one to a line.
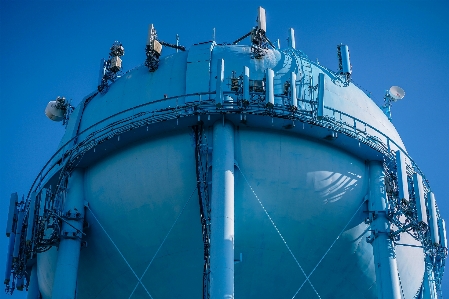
(53,48)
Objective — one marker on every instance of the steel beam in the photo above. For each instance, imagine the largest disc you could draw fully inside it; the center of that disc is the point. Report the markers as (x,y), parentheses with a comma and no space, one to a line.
(64,285)
(387,278)
(222,212)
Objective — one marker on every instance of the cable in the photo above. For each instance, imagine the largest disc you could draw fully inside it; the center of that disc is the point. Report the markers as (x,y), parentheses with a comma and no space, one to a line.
(342,231)
(120,253)
(163,241)
(280,235)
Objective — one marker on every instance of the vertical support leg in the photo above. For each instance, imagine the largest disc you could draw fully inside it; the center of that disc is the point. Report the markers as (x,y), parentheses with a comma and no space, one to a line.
(429,287)
(64,285)
(33,288)
(222,212)
(384,254)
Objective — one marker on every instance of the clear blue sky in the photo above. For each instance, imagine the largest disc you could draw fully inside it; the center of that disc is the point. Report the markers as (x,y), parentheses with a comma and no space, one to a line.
(51,48)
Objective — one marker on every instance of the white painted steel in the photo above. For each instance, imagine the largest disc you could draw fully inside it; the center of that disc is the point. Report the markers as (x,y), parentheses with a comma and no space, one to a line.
(64,286)
(387,280)
(222,212)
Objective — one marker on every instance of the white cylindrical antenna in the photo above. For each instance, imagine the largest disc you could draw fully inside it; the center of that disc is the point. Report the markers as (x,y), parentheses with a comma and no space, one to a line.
(442,232)
(419,198)
(291,38)
(345,60)
(246,83)
(220,79)
(261,19)
(433,221)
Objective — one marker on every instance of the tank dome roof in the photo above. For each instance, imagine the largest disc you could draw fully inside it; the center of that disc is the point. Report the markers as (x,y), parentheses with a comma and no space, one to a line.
(194,72)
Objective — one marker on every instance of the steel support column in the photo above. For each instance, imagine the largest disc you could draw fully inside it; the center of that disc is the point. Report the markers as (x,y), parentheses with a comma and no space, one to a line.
(64,285)
(33,288)
(222,212)
(385,263)
(429,287)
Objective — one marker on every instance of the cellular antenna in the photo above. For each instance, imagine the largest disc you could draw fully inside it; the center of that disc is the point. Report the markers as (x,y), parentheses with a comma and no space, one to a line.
(259,40)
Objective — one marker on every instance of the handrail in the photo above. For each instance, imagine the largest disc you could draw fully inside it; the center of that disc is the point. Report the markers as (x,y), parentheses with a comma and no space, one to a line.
(325,122)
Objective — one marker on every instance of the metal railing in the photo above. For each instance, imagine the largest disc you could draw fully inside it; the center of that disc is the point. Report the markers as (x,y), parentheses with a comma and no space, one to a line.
(70,154)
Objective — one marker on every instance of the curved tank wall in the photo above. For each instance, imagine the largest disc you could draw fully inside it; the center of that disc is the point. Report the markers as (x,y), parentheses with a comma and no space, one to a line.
(294,194)
(310,190)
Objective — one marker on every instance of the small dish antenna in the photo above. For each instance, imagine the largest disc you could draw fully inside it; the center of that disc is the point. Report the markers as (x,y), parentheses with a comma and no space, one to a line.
(59,110)
(396,93)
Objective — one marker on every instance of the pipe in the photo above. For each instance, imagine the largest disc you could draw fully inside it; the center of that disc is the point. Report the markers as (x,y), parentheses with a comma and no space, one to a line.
(66,272)
(320,106)
(294,99)
(383,248)
(222,212)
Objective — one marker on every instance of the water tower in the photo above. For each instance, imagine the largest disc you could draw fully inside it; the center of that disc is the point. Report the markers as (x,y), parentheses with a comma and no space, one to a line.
(227,170)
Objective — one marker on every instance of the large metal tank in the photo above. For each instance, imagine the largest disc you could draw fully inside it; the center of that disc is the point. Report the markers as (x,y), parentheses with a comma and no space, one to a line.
(231,167)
